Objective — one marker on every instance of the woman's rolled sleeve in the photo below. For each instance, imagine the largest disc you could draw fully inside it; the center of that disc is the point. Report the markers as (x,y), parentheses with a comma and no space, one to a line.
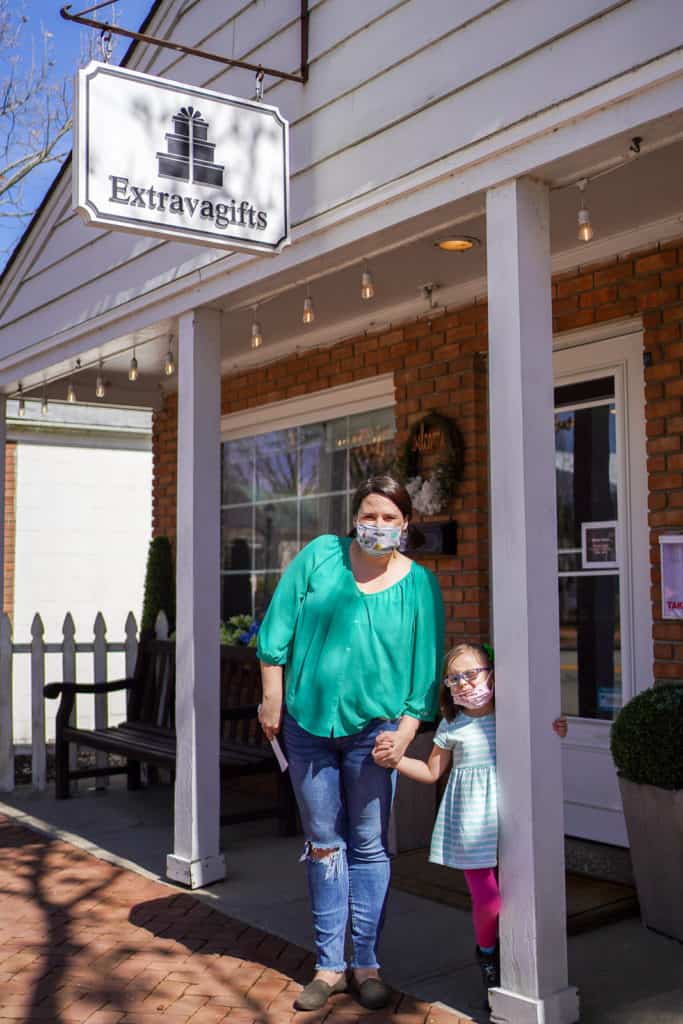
(275,633)
(423,697)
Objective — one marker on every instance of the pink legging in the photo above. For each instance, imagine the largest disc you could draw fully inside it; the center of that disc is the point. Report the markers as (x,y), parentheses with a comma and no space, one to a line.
(483,886)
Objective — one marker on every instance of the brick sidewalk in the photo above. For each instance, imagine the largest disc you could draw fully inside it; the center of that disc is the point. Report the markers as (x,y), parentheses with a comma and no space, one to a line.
(85,940)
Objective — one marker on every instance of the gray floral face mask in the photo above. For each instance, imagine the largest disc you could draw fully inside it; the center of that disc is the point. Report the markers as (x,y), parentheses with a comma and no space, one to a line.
(378,540)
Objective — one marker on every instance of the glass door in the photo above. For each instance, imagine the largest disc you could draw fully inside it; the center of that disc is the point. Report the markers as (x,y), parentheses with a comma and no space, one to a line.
(603,570)
(588,509)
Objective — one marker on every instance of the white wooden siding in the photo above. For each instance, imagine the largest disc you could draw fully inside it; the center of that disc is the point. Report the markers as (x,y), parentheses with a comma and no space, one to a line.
(395,86)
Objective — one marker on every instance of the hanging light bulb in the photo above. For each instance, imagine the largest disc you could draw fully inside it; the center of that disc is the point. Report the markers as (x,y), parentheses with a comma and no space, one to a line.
(71,392)
(256,332)
(309,312)
(585,232)
(44,406)
(133,368)
(367,285)
(99,384)
(169,364)
(22,403)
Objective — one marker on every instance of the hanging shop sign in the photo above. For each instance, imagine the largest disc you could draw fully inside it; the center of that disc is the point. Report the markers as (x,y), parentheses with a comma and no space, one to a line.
(167,159)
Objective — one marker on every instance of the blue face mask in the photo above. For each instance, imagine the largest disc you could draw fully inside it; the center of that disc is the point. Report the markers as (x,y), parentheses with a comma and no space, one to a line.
(378,540)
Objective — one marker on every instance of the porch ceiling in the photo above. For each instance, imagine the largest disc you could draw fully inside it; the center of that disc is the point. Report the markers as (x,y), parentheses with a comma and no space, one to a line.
(638,201)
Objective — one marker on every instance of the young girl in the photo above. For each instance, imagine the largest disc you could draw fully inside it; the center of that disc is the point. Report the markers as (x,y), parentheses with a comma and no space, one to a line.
(466,828)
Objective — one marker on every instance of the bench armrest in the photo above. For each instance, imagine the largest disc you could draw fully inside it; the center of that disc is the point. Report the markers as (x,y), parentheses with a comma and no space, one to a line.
(239,713)
(52,690)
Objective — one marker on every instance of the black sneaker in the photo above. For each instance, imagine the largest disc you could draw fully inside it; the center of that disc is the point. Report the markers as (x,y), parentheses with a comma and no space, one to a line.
(489,965)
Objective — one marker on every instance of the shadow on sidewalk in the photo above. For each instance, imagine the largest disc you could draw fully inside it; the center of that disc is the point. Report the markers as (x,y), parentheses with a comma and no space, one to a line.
(255,974)
(84,940)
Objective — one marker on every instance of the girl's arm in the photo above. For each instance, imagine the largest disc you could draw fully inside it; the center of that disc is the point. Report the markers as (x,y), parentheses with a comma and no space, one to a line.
(430,771)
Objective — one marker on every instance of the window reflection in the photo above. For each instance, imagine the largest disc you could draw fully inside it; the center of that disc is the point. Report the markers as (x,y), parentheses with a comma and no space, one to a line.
(586,484)
(237,475)
(282,489)
(275,460)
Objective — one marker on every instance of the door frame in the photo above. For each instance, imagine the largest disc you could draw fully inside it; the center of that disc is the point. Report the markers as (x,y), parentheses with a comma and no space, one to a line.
(586,355)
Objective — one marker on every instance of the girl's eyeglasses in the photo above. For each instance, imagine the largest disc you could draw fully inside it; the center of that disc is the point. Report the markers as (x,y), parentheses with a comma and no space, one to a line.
(456,679)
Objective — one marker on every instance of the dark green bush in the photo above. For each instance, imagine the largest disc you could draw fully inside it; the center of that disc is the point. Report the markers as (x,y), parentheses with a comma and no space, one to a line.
(647,738)
(159,584)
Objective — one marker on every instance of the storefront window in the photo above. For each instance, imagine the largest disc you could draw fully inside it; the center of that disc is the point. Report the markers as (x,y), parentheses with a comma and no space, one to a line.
(282,489)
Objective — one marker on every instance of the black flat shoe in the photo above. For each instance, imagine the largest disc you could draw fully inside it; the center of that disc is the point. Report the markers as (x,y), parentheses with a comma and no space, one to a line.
(317,992)
(372,993)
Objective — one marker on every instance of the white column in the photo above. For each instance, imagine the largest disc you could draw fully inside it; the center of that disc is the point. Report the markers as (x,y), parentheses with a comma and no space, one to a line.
(6,704)
(196,859)
(534,984)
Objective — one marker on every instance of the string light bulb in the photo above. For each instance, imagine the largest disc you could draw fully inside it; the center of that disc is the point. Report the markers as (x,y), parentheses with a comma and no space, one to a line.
(133,368)
(585,232)
(169,363)
(99,384)
(44,405)
(308,315)
(22,403)
(367,285)
(256,332)
(71,392)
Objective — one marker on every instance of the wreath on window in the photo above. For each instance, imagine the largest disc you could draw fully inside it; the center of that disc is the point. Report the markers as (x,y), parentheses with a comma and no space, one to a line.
(440,435)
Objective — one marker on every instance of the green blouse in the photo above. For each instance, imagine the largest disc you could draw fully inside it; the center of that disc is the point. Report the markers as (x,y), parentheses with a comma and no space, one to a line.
(351,657)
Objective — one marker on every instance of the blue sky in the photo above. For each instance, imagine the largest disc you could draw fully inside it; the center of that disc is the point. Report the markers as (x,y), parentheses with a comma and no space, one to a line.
(69,41)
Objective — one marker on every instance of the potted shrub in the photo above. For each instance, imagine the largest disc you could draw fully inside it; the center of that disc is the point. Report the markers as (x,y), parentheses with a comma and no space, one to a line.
(647,748)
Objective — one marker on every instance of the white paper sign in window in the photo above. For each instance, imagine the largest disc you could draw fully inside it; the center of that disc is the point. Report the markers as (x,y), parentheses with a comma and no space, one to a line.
(671,557)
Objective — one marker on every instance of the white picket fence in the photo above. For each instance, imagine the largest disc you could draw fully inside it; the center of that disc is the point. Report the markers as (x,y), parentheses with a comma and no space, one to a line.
(100,648)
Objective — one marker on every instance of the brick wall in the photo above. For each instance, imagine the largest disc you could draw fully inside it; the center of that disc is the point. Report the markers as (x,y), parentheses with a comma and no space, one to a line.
(440,365)
(10,525)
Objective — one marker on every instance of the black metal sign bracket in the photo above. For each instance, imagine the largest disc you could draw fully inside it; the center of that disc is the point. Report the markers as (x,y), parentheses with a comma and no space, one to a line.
(302,75)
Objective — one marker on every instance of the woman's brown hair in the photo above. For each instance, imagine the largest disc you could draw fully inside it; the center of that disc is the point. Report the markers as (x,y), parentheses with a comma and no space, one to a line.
(448,709)
(388,487)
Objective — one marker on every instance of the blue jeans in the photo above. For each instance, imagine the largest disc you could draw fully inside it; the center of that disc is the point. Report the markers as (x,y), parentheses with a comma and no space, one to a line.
(344,800)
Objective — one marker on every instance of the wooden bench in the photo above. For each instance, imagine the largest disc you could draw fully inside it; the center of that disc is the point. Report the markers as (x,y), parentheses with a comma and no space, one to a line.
(148,734)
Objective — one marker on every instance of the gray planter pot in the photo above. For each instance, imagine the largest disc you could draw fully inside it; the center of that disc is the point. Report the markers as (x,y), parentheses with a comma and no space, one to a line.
(654,819)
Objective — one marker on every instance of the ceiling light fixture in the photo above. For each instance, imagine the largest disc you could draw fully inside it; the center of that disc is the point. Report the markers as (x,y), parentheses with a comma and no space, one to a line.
(367,285)
(169,363)
(133,369)
(71,392)
(585,232)
(22,403)
(256,332)
(309,312)
(99,384)
(457,243)
(44,406)
(256,335)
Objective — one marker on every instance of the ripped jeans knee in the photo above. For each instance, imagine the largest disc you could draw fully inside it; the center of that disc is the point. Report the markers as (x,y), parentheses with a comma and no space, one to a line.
(332,857)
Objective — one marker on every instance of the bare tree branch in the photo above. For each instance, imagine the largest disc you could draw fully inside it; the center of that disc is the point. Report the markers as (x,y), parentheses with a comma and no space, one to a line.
(35,107)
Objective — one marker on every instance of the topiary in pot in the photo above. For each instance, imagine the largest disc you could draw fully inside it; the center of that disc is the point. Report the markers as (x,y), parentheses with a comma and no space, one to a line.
(647,748)
(159,585)
(647,738)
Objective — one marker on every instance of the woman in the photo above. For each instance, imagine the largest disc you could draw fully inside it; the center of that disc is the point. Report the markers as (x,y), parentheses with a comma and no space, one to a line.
(358,629)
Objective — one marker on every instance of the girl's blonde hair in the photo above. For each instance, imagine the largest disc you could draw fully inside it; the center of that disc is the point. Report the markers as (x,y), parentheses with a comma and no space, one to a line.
(448,709)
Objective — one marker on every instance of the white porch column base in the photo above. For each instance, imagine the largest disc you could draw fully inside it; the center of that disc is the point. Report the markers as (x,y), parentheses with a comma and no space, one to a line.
(195,873)
(511,1008)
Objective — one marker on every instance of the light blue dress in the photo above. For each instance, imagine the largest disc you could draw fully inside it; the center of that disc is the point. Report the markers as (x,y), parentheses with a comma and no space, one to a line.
(466,829)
